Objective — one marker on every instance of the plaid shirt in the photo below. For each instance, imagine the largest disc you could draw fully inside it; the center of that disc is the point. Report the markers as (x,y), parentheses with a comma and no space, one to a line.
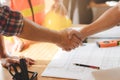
(11,22)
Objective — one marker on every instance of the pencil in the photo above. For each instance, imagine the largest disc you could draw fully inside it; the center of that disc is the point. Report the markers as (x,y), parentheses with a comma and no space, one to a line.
(88,66)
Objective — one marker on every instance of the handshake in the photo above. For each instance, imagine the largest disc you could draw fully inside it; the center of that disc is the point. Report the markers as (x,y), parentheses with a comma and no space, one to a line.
(70,39)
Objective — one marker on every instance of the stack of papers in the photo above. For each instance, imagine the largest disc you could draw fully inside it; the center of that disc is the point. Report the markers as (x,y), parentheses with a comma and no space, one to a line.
(62,65)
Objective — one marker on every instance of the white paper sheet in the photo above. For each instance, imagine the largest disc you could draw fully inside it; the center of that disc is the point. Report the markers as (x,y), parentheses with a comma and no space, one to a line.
(62,64)
(109,74)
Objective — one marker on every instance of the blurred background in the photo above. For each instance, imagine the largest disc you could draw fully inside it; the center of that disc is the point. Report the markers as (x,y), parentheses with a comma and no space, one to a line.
(84,11)
(79,11)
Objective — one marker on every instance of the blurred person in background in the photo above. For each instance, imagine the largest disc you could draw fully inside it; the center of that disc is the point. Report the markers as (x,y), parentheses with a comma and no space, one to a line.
(85,13)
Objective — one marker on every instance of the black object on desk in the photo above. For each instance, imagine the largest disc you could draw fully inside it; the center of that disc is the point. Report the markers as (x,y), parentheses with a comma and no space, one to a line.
(20,71)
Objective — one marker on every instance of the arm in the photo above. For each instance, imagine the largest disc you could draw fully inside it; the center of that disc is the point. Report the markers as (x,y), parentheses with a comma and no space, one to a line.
(4,57)
(108,20)
(2,49)
(35,32)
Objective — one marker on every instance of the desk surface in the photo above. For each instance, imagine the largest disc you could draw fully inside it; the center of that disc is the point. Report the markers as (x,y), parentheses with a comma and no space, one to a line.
(42,53)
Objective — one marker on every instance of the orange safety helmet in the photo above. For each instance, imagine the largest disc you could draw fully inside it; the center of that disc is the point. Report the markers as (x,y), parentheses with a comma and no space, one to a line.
(31,9)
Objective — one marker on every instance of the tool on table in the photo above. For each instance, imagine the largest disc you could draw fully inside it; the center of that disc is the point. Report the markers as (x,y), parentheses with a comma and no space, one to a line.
(20,71)
(112,43)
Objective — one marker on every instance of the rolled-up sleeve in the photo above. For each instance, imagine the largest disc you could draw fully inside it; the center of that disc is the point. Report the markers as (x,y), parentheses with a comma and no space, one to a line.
(11,22)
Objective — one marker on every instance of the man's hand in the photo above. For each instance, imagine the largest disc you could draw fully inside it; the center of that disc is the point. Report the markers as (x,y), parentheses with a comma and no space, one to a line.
(69,41)
(13,59)
(76,34)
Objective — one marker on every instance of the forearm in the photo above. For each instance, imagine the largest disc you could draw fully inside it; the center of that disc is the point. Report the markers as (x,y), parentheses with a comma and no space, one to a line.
(35,32)
(109,19)
(2,50)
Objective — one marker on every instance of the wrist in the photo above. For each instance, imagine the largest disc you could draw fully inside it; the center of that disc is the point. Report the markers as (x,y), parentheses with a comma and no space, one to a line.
(61,37)
(85,32)
(82,36)
(56,38)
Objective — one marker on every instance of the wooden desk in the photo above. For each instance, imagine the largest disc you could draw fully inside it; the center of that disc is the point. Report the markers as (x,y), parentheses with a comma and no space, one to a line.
(42,53)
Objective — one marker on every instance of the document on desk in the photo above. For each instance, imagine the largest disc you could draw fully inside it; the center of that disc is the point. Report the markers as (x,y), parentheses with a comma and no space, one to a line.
(62,65)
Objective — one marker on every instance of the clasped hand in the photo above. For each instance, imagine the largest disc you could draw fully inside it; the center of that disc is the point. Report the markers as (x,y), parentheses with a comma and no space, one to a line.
(70,39)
